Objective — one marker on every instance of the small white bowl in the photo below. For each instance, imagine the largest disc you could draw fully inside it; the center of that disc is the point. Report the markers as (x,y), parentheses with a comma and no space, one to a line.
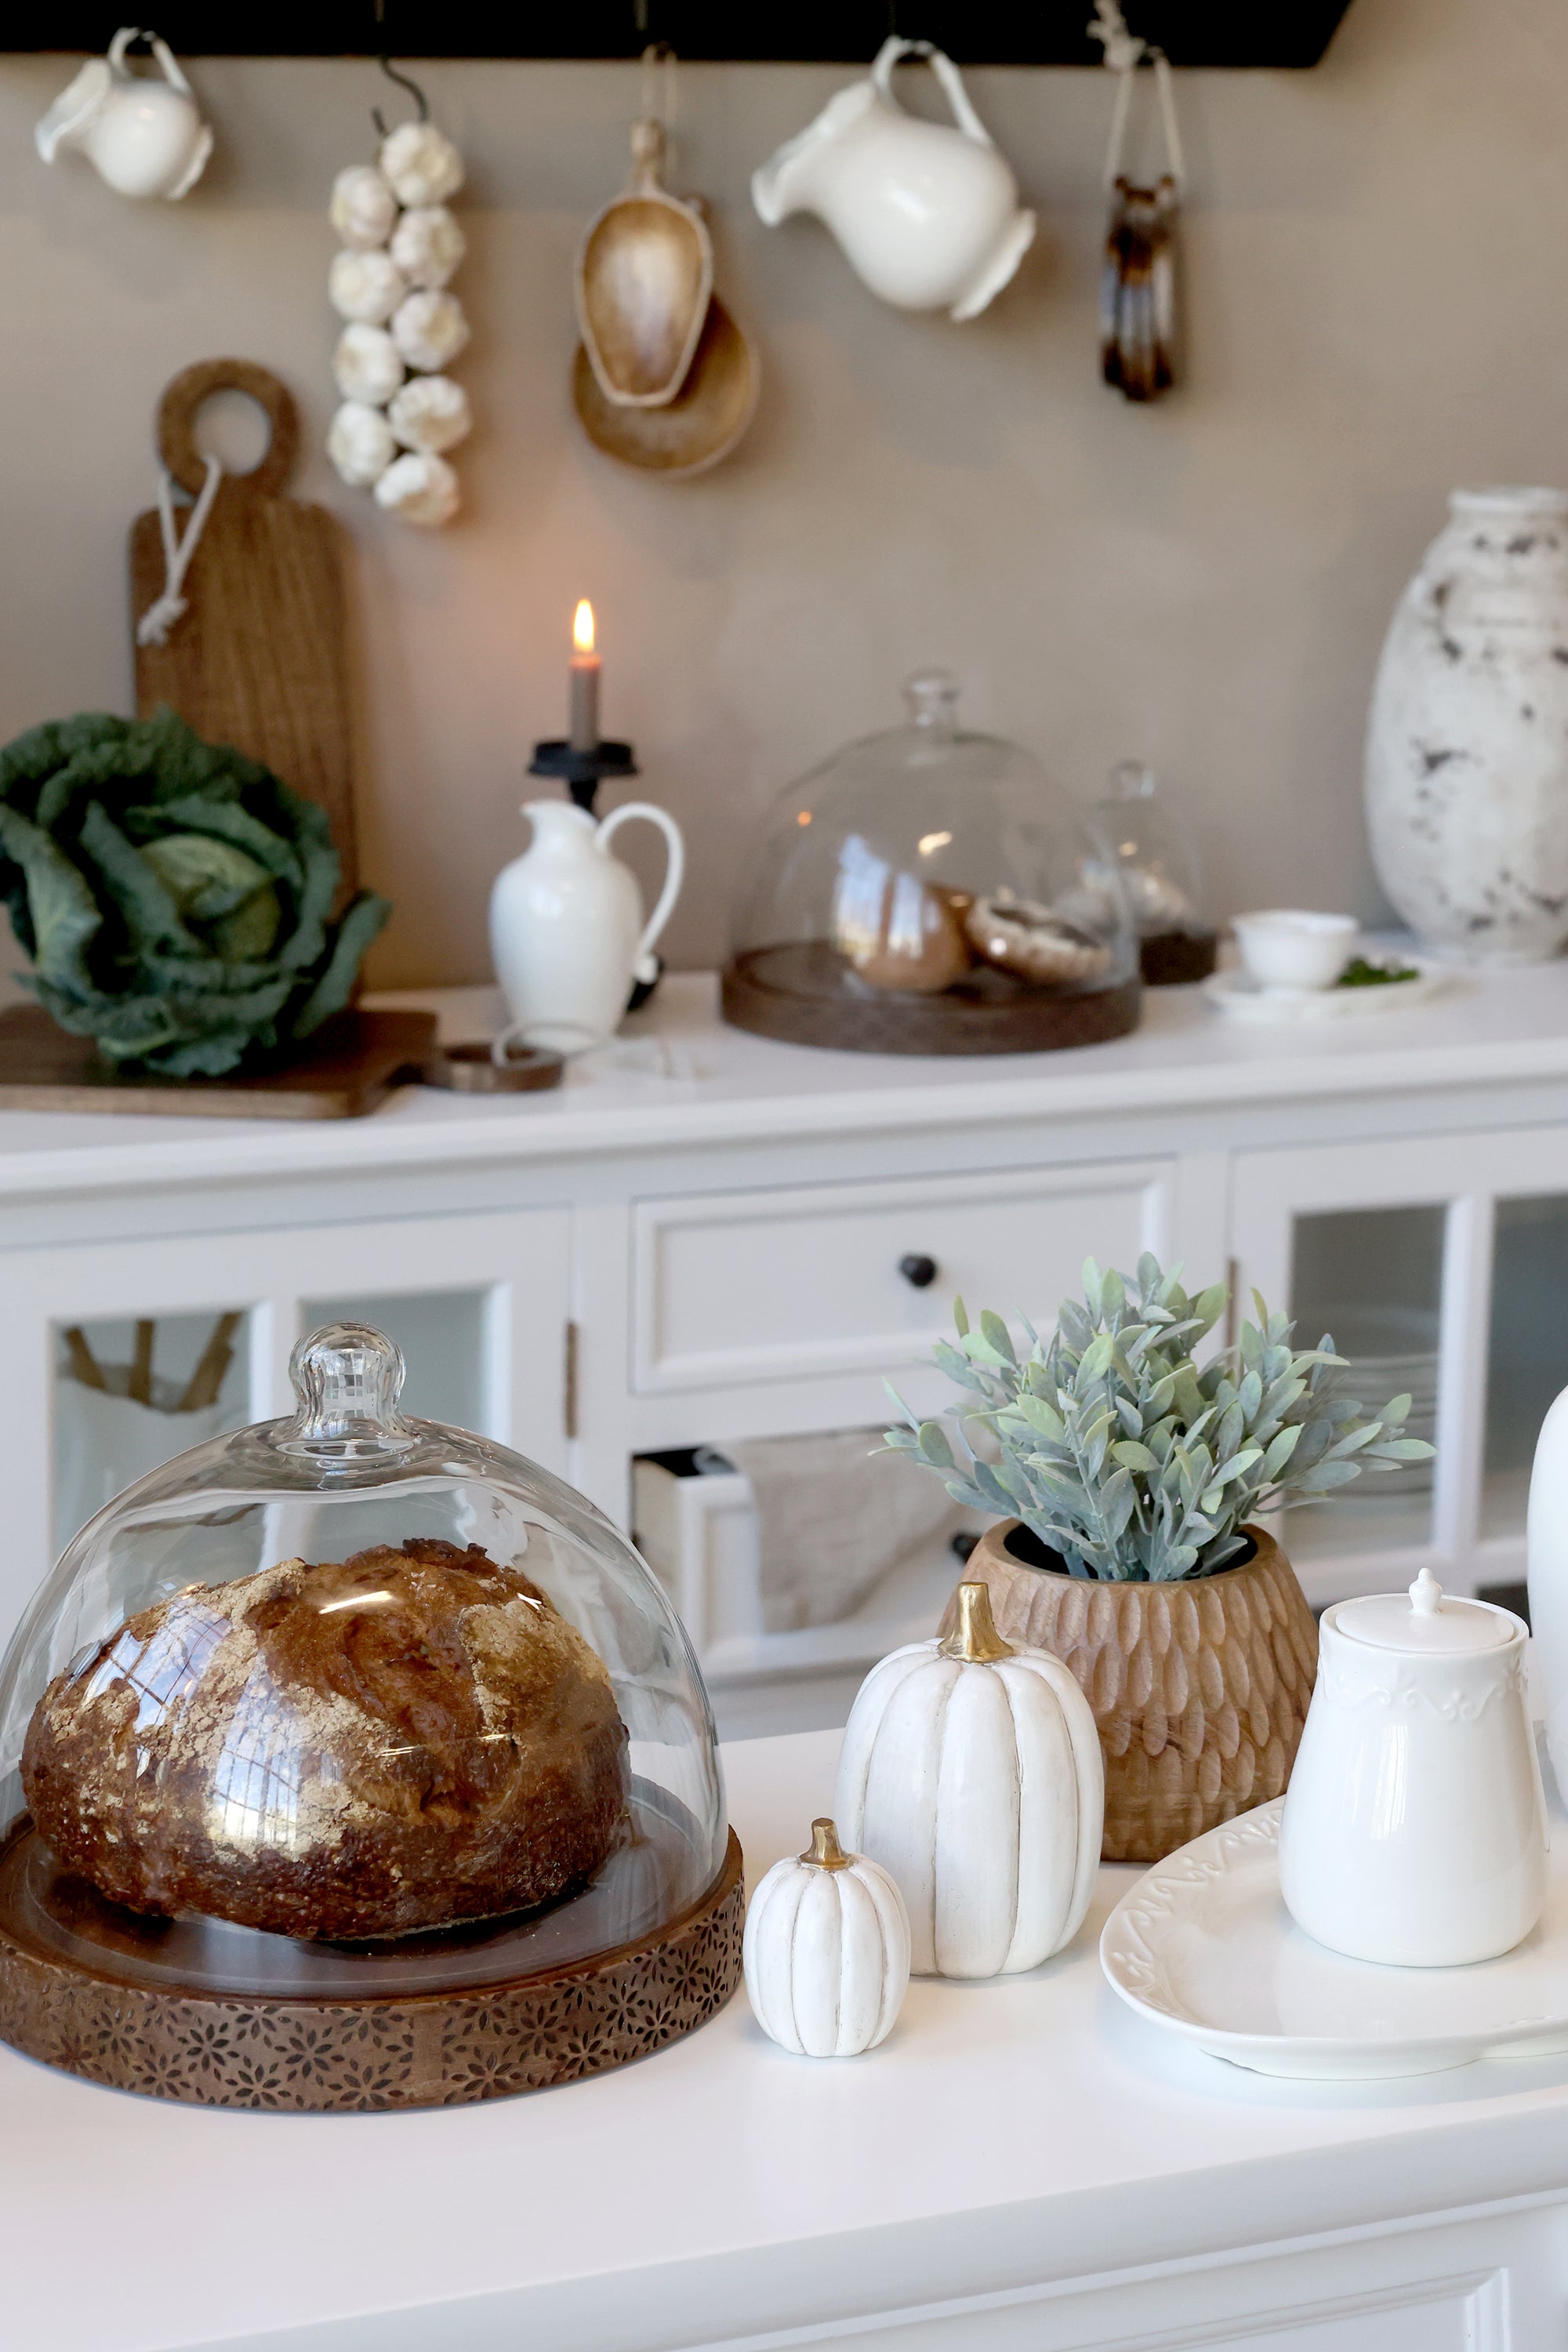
(1288,947)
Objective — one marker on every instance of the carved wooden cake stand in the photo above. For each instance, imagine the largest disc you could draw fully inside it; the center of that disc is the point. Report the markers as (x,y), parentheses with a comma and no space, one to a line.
(70,1994)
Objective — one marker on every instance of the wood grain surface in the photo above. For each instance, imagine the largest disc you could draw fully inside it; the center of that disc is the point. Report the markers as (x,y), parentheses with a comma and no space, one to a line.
(260,657)
(346,1069)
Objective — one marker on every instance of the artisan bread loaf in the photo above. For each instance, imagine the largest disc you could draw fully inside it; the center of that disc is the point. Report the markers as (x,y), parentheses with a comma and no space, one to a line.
(352,1748)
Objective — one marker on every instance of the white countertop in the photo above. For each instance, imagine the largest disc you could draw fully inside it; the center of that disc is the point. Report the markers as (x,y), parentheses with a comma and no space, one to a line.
(677,1076)
(1008,2133)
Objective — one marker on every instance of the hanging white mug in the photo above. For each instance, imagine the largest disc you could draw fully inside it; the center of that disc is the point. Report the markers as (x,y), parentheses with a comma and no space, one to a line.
(928,216)
(143,137)
(567,934)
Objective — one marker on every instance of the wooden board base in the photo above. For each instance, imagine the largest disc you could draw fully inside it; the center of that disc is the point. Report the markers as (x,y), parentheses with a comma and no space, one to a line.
(318,2055)
(347,1068)
(806,995)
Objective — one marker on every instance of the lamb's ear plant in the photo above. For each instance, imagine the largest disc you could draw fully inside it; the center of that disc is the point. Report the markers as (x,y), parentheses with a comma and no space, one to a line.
(1123,1455)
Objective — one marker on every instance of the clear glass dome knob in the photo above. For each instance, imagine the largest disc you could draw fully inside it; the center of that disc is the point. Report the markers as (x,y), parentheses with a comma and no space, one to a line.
(348,1378)
(932,699)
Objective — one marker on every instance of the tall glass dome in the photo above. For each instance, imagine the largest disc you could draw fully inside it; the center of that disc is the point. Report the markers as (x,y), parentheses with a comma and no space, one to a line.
(932,891)
(350,1703)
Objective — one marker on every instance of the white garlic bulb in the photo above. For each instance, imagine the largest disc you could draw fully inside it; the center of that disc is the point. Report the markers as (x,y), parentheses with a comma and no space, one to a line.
(420,488)
(431,411)
(429,329)
(365,285)
(364,208)
(422,164)
(366,365)
(360,444)
(427,245)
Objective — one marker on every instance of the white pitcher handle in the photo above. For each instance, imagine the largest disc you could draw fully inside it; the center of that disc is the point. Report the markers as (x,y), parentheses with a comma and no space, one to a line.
(674,872)
(895,47)
(161,52)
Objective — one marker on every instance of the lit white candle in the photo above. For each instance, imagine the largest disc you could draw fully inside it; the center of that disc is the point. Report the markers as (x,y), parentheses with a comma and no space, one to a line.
(584,729)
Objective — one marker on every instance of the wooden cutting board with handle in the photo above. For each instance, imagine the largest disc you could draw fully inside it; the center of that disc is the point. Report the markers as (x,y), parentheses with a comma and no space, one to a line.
(259,656)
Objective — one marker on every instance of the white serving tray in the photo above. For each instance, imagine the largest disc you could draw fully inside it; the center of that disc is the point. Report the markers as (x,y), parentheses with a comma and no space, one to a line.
(1237,995)
(1203,1947)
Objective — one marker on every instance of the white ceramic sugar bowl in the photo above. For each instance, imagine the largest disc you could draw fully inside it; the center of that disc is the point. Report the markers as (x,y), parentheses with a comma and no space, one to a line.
(1414,1827)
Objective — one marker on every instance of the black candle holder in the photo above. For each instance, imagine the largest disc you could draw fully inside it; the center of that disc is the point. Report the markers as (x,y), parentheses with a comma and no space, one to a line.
(582,771)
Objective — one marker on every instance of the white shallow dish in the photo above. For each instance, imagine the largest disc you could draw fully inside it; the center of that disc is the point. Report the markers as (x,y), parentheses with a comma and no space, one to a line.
(1203,1947)
(1238,995)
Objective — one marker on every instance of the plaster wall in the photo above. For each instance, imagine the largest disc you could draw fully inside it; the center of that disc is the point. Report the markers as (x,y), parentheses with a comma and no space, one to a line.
(1373,276)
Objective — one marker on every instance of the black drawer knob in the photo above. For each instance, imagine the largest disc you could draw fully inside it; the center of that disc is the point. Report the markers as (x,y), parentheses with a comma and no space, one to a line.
(919,1272)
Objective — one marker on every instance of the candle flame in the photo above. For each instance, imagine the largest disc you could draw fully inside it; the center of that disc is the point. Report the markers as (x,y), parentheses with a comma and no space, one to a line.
(582,627)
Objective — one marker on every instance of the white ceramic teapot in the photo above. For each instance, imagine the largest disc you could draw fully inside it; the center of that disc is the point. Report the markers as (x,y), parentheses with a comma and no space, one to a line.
(143,137)
(567,934)
(1415,1825)
(928,216)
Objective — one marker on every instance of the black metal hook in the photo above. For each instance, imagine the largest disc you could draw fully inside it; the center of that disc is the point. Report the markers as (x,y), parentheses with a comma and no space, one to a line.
(403,80)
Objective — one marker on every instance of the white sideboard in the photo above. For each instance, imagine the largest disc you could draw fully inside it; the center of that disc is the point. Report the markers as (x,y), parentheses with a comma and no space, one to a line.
(1023,2167)
(698,1239)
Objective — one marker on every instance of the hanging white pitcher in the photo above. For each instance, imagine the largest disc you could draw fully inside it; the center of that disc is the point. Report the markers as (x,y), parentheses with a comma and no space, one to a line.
(567,934)
(928,216)
(144,137)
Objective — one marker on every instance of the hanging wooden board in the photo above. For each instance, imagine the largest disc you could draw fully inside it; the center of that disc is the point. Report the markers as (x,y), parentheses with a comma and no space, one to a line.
(259,657)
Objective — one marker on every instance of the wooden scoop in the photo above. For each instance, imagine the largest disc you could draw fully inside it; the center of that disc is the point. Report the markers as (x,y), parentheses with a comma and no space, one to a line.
(645,275)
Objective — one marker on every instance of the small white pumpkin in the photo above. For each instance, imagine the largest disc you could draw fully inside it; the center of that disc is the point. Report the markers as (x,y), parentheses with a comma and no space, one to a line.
(971,1771)
(826,1951)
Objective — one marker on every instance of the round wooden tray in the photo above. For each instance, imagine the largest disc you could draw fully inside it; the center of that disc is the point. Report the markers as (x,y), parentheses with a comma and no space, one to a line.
(324,2055)
(806,995)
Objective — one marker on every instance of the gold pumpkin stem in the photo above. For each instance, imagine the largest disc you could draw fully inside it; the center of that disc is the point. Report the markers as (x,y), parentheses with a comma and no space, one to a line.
(825,1849)
(975,1638)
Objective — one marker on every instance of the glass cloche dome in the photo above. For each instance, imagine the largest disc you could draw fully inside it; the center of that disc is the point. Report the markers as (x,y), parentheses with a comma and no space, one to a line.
(1162,874)
(932,891)
(347,1702)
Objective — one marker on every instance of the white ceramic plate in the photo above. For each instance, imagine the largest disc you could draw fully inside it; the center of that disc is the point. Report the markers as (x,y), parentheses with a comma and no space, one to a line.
(1238,996)
(1203,1947)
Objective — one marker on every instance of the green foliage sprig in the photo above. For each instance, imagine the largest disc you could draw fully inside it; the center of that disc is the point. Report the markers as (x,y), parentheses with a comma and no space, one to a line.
(1126,1457)
(173,897)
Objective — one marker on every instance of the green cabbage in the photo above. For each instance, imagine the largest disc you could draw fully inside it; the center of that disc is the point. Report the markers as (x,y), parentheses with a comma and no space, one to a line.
(174,898)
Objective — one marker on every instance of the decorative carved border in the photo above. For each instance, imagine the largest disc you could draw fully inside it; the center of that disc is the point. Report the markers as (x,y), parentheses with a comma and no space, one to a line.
(339,2057)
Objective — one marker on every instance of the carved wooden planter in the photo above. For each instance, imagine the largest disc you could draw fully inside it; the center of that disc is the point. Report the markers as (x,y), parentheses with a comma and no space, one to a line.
(1199,1690)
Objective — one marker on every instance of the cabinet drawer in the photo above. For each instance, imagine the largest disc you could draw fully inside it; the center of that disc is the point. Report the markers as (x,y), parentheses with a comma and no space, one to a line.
(770,1286)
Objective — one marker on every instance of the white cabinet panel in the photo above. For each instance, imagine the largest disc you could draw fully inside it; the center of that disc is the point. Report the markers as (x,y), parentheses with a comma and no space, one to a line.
(764,1285)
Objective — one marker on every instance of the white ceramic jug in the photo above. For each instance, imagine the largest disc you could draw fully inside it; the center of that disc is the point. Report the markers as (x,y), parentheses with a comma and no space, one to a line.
(143,137)
(929,217)
(1415,1824)
(567,934)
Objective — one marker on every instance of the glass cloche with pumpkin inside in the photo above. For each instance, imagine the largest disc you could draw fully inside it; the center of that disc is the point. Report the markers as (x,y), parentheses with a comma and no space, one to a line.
(929,890)
(351,1707)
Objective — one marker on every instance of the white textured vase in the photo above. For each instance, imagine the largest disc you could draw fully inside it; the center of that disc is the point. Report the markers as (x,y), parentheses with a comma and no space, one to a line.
(1466,752)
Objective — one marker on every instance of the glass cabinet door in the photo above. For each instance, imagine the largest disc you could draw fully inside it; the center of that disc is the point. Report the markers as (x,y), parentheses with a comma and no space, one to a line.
(122,1355)
(1440,1265)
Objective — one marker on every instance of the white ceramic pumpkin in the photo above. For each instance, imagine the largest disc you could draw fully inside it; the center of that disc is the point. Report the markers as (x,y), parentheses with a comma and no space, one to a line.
(971,1771)
(826,1951)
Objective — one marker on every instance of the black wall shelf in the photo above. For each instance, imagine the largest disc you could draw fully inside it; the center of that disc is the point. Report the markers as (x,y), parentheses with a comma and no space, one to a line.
(1287,32)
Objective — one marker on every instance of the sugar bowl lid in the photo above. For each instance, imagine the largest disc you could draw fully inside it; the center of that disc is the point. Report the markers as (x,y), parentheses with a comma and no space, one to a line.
(1426,1623)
